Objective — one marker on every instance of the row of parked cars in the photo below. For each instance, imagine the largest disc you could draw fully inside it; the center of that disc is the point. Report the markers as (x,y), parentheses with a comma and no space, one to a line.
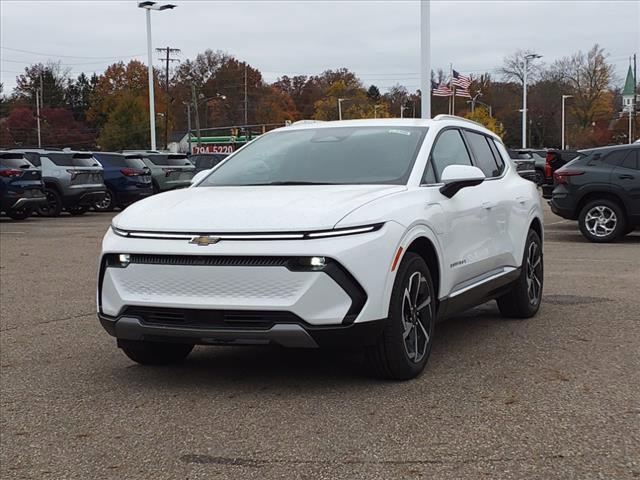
(49,181)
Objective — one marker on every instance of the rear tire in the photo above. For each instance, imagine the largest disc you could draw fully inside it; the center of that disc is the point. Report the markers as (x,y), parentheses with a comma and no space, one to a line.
(525,296)
(155,353)
(107,204)
(602,221)
(53,206)
(404,346)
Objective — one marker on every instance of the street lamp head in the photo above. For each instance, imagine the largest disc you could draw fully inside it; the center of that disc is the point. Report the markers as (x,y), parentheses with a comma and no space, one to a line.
(567,96)
(531,56)
(148,5)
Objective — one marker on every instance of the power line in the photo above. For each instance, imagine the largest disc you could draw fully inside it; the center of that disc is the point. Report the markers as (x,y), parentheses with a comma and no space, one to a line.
(68,56)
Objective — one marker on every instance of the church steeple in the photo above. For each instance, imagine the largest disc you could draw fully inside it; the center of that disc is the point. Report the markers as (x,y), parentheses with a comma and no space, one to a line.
(629,91)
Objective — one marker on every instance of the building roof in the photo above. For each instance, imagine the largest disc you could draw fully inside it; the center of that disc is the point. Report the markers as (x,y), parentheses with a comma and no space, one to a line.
(629,84)
(176,137)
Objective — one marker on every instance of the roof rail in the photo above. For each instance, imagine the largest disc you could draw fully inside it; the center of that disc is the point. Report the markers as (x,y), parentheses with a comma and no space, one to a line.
(443,116)
(305,122)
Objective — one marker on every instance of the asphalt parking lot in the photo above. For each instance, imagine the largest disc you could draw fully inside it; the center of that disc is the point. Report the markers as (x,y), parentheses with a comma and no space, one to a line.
(557,396)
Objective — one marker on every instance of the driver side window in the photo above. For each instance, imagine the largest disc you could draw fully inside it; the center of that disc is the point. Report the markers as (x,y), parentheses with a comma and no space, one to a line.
(449,149)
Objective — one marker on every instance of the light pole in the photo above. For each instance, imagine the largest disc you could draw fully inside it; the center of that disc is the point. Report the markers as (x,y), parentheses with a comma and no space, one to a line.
(203,100)
(340,100)
(148,6)
(531,56)
(402,109)
(188,104)
(375,111)
(425,58)
(564,97)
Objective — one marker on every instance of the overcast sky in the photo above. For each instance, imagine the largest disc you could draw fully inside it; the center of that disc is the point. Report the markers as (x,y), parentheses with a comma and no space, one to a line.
(378,40)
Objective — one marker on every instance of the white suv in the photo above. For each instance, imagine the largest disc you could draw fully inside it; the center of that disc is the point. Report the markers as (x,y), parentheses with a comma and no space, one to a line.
(352,233)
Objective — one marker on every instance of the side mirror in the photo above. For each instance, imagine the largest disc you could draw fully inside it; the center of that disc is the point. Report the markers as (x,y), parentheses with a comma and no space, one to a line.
(199,176)
(457,177)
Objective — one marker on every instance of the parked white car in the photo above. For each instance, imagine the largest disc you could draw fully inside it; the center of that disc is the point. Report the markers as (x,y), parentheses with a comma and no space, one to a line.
(351,233)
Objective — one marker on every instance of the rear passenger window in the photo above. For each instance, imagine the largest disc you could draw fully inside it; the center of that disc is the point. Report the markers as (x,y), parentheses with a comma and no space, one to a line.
(615,158)
(632,161)
(497,156)
(482,154)
(448,150)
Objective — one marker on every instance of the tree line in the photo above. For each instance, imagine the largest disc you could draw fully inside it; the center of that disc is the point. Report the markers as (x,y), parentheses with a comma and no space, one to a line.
(110,111)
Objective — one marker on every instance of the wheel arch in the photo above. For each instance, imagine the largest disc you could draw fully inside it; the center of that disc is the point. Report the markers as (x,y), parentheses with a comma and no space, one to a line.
(599,195)
(424,247)
(536,226)
(53,184)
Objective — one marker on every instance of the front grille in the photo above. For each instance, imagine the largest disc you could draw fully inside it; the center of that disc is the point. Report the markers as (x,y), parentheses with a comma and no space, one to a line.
(219,319)
(210,260)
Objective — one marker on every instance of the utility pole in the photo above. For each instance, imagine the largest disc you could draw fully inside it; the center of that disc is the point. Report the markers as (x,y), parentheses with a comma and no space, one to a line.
(38,116)
(195,104)
(246,122)
(168,51)
(39,104)
(188,104)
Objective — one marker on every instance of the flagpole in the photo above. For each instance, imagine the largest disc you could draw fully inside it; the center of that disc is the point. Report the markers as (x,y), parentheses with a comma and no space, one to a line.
(451,87)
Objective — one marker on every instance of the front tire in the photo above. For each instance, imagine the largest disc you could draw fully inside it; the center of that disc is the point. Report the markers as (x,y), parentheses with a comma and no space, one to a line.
(404,346)
(602,221)
(525,296)
(155,353)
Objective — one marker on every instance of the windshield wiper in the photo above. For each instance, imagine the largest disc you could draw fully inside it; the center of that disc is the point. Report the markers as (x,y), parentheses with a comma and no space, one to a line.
(289,182)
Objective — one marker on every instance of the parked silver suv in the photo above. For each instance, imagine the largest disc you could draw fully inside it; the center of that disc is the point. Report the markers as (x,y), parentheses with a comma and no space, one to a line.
(72,180)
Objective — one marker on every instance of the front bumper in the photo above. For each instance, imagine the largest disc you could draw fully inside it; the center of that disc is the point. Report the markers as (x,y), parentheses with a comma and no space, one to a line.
(237,277)
(290,334)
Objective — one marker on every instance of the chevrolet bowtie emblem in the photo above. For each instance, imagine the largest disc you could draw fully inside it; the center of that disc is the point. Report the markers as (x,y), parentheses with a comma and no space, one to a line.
(204,240)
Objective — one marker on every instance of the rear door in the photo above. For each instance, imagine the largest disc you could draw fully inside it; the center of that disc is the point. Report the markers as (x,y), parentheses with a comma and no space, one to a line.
(626,177)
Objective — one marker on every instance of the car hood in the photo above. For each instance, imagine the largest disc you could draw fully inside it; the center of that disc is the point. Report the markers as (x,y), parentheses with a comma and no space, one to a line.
(249,209)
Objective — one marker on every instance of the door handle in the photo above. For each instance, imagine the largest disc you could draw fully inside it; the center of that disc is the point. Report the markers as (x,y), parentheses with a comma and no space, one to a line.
(521,199)
(626,177)
(489,205)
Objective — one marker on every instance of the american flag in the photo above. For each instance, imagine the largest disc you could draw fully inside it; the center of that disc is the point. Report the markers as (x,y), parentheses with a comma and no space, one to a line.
(463,92)
(440,90)
(460,80)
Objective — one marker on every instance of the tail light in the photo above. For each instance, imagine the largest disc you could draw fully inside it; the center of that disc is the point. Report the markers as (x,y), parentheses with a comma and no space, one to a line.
(167,171)
(548,172)
(128,172)
(560,176)
(11,173)
(73,173)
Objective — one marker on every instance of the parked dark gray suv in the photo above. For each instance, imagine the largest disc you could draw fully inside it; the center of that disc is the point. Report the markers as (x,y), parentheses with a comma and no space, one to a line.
(600,189)
(73,180)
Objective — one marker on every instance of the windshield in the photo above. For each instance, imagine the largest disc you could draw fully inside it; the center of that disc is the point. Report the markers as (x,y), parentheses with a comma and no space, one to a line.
(329,156)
